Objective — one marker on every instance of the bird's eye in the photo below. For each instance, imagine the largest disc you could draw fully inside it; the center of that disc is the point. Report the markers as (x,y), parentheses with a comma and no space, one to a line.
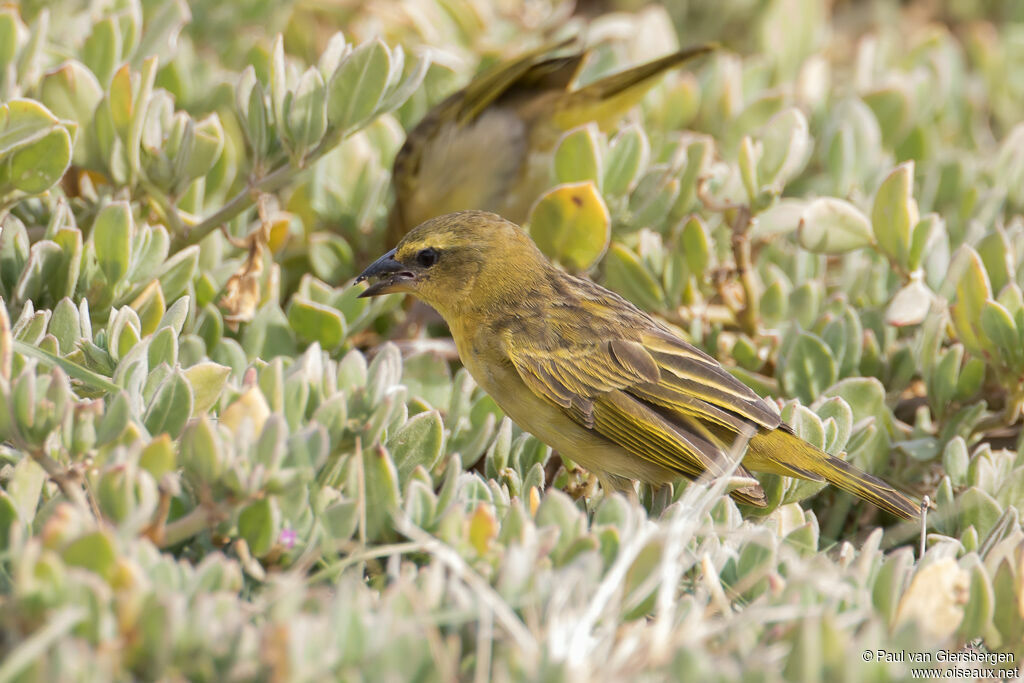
(427,257)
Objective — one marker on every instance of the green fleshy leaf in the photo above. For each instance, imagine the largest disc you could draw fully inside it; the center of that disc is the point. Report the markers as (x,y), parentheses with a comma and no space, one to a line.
(382,494)
(112,235)
(356,88)
(809,368)
(36,167)
(696,245)
(331,257)
(578,158)
(786,143)
(627,156)
(171,406)
(94,551)
(972,291)
(178,272)
(1001,329)
(625,274)
(571,225)
(259,524)
(315,322)
(833,226)
(207,381)
(895,213)
(910,306)
(420,441)
(306,112)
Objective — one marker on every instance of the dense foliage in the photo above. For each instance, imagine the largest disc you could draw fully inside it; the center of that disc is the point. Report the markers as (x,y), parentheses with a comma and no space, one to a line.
(215,466)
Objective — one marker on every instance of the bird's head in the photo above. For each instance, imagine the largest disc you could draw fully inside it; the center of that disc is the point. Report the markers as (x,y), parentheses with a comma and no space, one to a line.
(459,260)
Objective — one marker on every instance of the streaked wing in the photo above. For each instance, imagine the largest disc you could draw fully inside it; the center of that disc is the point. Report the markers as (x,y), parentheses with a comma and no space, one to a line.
(573,377)
(695,383)
(658,397)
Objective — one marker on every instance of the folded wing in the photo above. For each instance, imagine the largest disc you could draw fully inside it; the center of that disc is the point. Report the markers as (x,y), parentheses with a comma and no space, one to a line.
(656,396)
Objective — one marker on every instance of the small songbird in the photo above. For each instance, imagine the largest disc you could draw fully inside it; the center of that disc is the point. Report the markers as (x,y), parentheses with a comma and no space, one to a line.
(488,145)
(590,374)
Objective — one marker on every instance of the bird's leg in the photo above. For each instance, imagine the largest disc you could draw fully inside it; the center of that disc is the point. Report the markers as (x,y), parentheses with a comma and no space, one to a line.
(589,489)
(633,496)
(554,463)
(661,498)
(579,486)
(627,487)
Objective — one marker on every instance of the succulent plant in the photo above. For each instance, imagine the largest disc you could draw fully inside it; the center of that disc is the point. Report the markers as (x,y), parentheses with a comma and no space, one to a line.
(215,465)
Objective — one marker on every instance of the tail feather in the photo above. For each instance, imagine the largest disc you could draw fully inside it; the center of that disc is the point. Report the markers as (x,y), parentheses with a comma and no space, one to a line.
(606,99)
(782,452)
(870,488)
(613,84)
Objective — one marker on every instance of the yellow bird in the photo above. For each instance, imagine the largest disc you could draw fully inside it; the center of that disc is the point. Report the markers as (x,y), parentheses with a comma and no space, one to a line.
(590,374)
(488,146)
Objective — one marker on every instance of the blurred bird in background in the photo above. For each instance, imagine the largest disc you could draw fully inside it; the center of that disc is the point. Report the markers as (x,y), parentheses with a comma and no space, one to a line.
(488,145)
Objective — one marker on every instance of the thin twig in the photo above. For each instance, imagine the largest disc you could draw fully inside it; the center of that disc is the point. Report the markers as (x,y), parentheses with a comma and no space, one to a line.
(446,670)
(710,313)
(748,315)
(484,643)
(156,531)
(924,524)
(70,488)
(679,532)
(165,207)
(1006,417)
(606,591)
(331,572)
(445,348)
(710,202)
(198,520)
(33,648)
(273,181)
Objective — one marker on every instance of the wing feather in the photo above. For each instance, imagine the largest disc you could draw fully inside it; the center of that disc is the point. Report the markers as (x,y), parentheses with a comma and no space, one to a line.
(692,373)
(661,399)
(534,69)
(634,395)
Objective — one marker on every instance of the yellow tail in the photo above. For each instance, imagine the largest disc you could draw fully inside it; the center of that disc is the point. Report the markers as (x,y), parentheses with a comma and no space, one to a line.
(782,452)
(607,99)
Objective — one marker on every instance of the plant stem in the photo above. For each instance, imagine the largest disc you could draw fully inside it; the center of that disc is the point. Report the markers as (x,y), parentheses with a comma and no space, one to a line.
(332,572)
(240,202)
(271,182)
(1004,418)
(201,518)
(71,490)
(156,530)
(749,314)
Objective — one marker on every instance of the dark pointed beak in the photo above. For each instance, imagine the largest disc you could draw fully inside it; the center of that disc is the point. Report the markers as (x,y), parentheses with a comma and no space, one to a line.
(389,274)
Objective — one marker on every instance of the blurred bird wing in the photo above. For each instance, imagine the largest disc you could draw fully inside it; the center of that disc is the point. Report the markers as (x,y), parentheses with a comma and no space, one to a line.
(533,69)
(430,164)
(658,397)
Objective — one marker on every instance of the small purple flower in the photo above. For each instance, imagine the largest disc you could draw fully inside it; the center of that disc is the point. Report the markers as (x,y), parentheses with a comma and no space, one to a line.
(287,538)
